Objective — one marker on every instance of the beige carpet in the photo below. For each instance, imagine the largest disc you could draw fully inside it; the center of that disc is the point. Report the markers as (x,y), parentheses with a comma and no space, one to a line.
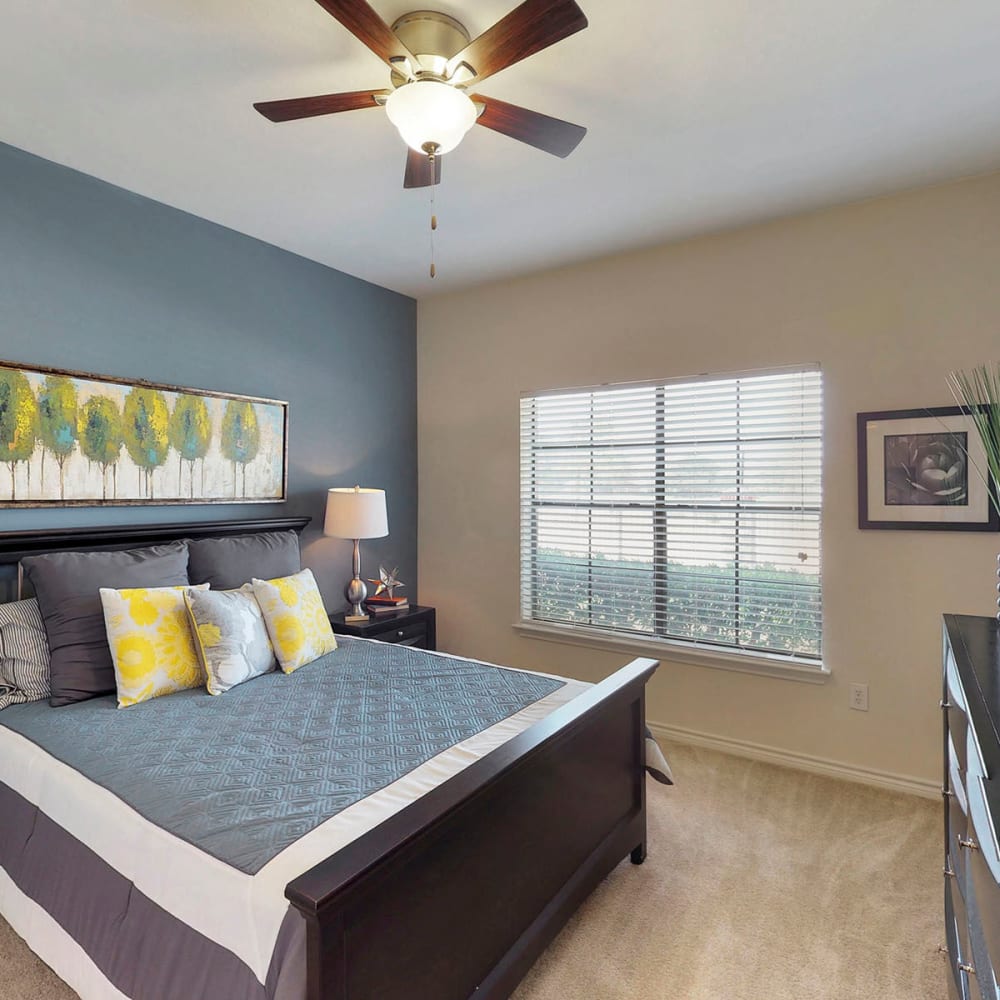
(761,884)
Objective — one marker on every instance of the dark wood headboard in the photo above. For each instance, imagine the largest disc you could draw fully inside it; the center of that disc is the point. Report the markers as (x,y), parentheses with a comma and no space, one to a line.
(16,544)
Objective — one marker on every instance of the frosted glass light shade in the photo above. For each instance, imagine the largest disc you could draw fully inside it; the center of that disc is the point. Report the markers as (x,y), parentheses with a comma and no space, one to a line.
(427,111)
(352,512)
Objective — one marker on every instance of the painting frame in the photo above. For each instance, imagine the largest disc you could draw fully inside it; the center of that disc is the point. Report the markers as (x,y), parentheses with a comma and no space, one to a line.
(941,434)
(276,434)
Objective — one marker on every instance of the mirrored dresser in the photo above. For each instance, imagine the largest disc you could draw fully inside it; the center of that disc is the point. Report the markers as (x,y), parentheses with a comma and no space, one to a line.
(971,790)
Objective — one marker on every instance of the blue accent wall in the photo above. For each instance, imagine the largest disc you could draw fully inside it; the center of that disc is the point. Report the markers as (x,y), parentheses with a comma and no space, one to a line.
(94,278)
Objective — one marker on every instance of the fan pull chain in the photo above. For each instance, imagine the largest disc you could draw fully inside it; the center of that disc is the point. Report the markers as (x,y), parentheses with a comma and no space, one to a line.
(434,219)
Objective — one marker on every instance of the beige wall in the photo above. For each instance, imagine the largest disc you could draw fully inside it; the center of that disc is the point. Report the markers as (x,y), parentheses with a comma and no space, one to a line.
(888,296)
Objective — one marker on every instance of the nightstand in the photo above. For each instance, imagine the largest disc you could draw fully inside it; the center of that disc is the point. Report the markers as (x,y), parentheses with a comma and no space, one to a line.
(414,627)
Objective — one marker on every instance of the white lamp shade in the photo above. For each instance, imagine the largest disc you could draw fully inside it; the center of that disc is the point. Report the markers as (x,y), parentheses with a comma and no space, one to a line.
(352,512)
(427,111)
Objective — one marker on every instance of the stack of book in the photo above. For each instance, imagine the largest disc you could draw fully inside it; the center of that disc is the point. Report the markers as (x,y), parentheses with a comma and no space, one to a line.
(384,603)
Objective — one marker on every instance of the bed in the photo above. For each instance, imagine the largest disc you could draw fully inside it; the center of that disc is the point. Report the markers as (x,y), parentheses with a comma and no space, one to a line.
(445,882)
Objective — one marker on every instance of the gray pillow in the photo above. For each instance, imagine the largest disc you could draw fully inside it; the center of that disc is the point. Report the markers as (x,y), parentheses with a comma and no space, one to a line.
(67,585)
(24,654)
(228,563)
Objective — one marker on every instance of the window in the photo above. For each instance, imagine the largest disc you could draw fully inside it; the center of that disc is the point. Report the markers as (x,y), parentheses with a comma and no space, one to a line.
(679,510)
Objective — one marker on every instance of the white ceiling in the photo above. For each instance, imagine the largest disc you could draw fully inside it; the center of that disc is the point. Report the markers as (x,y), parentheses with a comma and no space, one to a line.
(702,115)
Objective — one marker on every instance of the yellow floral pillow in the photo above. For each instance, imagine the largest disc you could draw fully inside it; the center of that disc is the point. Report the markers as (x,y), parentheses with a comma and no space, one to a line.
(296,620)
(151,643)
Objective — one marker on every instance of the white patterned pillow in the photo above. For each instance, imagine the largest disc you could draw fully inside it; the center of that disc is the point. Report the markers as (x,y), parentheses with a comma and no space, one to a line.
(230,637)
(24,654)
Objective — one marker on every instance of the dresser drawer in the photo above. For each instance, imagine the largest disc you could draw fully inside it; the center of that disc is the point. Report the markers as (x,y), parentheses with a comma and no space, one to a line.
(983,865)
(981,980)
(958,712)
(956,930)
(958,831)
(413,634)
(974,764)
(987,902)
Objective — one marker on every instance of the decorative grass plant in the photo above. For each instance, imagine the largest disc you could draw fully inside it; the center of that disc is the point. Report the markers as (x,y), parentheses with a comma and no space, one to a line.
(977,391)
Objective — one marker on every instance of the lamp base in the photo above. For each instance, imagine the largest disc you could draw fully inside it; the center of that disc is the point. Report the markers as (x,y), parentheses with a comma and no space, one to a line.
(353,619)
(355,592)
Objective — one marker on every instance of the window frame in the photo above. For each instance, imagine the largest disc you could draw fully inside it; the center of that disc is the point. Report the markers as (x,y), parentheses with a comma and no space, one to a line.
(714,654)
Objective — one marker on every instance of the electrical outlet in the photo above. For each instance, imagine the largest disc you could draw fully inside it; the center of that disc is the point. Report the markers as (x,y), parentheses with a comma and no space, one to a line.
(859,697)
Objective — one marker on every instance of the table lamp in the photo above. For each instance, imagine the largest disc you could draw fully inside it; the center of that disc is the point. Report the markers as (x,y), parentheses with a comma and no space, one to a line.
(356,513)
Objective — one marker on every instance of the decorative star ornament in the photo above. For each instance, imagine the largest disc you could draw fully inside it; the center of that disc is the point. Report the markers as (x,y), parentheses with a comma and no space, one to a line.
(387,581)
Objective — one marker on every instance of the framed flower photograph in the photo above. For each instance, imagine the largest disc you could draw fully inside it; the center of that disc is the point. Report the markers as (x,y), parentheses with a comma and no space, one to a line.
(921,469)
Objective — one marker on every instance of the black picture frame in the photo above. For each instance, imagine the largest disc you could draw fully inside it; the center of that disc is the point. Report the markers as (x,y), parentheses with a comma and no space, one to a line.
(936,486)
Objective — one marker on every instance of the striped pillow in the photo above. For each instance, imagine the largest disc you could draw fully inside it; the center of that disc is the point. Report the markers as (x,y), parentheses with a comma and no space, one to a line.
(24,654)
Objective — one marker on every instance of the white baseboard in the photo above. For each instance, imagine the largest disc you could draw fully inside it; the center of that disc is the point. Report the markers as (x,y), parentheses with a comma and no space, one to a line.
(800,761)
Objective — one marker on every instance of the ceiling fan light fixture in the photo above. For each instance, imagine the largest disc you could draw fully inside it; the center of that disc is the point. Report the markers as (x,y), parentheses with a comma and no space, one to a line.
(428,112)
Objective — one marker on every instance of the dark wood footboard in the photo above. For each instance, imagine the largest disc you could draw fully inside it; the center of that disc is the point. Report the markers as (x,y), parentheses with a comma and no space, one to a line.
(458,894)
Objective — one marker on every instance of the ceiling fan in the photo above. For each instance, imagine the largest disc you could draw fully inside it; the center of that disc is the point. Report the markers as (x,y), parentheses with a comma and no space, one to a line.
(433,63)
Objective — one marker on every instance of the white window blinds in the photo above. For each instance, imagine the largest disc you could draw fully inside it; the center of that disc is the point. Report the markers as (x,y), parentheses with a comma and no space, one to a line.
(684,510)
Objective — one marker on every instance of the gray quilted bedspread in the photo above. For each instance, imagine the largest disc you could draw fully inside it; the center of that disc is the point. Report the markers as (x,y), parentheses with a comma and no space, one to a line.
(245,774)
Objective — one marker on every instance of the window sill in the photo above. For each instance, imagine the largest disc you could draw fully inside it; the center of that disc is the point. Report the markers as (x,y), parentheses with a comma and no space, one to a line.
(764,664)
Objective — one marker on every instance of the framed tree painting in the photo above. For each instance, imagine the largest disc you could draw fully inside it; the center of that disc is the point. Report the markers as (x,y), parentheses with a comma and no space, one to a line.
(921,469)
(73,438)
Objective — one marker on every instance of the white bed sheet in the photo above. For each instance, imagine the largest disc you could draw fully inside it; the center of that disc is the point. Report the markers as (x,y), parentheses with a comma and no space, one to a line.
(238,911)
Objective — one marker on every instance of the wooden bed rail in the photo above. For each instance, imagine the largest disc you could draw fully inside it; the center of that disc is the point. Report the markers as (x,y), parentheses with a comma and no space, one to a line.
(457,894)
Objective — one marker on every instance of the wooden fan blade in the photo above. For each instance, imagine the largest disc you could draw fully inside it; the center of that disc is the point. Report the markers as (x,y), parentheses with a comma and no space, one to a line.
(419,172)
(325,104)
(527,29)
(550,134)
(362,22)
